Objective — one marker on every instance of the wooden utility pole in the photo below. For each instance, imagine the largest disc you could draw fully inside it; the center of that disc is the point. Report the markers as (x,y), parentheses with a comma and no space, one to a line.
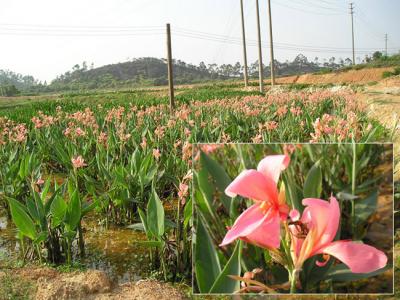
(386,41)
(352,30)
(260,63)
(170,72)
(245,71)
(271,41)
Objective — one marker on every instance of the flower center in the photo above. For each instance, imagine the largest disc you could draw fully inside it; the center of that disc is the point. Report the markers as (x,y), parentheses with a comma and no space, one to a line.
(265,206)
(300,229)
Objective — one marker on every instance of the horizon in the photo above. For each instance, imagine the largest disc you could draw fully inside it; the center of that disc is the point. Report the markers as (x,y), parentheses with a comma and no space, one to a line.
(105,32)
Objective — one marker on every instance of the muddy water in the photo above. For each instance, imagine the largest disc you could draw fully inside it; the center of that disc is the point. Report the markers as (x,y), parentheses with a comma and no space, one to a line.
(115,250)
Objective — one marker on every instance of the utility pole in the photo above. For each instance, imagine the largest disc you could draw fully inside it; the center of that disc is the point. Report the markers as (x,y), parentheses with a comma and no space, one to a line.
(386,41)
(352,30)
(271,41)
(260,63)
(246,78)
(170,73)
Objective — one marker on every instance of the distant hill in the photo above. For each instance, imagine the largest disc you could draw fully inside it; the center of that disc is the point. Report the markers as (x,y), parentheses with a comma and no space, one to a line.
(146,71)
(149,71)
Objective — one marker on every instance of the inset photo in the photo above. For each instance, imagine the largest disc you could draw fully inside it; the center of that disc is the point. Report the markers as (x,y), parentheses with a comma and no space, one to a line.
(293,218)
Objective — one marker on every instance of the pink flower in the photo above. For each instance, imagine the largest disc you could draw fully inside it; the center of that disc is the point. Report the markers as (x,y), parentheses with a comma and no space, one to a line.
(314,234)
(40,181)
(143,144)
(78,162)
(183,192)
(260,223)
(156,154)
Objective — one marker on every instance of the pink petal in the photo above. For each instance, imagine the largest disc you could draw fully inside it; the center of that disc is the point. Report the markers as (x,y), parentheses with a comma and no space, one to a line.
(254,185)
(272,166)
(324,217)
(294,215)
(268,234)
(245,224)
(360,258)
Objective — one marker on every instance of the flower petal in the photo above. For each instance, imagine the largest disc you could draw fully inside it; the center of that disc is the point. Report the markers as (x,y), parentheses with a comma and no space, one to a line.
(324,217)
(254,185)
(294,215)
(272,166)
(360,258)
(268,234)
(245,224)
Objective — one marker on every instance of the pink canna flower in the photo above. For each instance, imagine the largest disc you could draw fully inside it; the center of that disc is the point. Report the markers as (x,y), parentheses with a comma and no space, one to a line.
(260,223)
(314,232)
(78,162)
(156,154)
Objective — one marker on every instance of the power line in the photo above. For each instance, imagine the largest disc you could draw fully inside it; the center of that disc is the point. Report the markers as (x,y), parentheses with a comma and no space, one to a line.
(307,11)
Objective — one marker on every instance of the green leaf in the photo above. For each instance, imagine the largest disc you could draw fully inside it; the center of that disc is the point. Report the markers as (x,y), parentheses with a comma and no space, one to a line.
(366,207)
(341,272)
(224,284)
(206,259)
(313,183)
(188,213)
(22,220)
(74,211)
(58,209)
(136,226)
(143,218)
(220,177)
(155,215)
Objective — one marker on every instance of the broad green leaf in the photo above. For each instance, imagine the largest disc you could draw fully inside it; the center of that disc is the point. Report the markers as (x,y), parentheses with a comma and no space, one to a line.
(57,210)
(366,207)
(155,215)
(206,259)
(32,210)
(22,220)
(222,179)
(341,272)
(136,226)
(74,210)
(188,213)
(224,284)
(313,183)
(143,218)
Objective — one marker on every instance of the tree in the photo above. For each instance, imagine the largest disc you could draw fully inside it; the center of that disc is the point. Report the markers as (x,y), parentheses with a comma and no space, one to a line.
(377,55)
(8,90)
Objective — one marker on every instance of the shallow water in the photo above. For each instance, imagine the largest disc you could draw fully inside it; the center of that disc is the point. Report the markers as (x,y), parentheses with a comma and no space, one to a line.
(115,250)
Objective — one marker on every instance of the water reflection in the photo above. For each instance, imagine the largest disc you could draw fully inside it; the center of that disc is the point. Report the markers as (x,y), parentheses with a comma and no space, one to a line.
(115,250)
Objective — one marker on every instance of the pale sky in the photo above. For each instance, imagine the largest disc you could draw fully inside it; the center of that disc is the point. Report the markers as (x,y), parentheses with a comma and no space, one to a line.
(45,38)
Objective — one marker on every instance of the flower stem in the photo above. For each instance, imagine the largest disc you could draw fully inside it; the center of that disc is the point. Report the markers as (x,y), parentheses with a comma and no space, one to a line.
(353,189)
(293,279)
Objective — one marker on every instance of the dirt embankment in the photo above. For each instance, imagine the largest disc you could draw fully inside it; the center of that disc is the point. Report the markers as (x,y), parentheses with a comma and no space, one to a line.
(49,284)
(383,101)
(362,76)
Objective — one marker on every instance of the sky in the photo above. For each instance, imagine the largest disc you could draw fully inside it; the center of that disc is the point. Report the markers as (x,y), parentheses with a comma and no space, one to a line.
(45,38)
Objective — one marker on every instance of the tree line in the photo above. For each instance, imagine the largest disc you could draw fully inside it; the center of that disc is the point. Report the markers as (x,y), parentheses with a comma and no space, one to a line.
(149,71)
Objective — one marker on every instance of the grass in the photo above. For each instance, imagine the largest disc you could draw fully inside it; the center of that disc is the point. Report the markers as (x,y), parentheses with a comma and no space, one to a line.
(12,287)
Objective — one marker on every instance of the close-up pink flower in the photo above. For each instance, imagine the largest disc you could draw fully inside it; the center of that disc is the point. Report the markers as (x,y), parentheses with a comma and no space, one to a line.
(78,162)
(260,223)
(314,232)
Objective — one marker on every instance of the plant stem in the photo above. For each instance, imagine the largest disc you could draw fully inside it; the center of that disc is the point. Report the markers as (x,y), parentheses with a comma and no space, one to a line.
(81,241)
(178,237)
(293,279)
(353,189)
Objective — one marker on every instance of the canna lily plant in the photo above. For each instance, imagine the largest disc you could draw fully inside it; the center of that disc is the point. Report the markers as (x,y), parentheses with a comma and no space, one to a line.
(305,235)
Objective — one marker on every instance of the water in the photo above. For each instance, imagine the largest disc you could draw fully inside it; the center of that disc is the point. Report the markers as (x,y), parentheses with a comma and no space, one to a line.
(115,250)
